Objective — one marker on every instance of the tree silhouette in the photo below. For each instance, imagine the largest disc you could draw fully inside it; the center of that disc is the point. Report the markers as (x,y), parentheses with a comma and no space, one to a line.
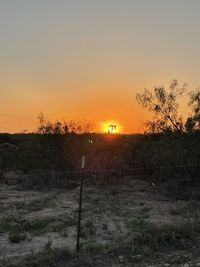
(163,103)
(193,122)
(58,128)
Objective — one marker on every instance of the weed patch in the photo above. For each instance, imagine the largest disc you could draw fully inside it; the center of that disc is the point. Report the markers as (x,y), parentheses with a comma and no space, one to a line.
(88,229)
(145,236)
(15,224)
(191,209)
(34,205)
(16,237)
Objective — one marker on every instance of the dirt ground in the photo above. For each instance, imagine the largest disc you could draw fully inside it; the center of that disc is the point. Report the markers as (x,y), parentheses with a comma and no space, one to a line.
(32,221)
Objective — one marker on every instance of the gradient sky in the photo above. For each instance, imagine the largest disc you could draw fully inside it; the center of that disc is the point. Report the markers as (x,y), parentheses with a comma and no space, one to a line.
(77,59)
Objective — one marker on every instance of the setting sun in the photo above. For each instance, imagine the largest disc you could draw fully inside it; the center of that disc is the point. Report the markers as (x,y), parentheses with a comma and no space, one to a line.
(111,127)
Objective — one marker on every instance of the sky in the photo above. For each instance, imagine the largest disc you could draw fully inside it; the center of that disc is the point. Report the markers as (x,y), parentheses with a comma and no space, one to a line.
(87,59)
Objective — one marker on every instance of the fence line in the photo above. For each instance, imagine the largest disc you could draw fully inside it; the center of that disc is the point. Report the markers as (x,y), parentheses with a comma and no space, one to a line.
(134,169)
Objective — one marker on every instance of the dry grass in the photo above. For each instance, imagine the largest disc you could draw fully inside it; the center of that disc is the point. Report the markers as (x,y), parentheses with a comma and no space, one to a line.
(122,223)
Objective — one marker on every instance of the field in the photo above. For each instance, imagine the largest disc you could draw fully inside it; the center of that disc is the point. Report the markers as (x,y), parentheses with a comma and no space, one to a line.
(99,154)
(140,200)
(125,222)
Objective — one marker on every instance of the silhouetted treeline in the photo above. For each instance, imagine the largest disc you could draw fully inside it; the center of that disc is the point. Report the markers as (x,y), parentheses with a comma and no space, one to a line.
(169,159)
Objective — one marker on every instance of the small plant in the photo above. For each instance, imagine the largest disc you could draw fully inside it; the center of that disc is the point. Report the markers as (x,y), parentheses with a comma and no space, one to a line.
(176,211)
(105,226)
(16,237)
(64,234)
(38,225)
(88,229)
(48,245)
(143,213)
(146,209)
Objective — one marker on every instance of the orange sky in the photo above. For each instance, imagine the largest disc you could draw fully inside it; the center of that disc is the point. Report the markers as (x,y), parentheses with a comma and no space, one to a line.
(88,59)
(107,104)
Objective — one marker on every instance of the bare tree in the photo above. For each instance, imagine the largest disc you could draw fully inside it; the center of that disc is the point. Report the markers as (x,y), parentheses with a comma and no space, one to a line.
(163,103)
(193,122)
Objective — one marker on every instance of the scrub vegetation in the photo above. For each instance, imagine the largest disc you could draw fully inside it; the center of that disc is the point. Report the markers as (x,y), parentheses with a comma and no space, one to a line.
(140,199)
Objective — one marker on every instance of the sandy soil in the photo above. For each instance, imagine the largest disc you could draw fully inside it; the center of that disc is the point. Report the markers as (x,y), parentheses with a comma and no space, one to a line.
(107,209)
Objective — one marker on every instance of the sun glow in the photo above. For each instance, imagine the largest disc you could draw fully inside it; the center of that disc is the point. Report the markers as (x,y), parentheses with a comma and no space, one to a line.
(111,127)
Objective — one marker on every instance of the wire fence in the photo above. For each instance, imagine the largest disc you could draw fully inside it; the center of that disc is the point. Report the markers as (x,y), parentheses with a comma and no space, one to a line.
(133,169)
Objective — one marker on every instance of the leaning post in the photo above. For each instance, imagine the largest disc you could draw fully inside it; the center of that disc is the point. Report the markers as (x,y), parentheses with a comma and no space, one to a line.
(80,203)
